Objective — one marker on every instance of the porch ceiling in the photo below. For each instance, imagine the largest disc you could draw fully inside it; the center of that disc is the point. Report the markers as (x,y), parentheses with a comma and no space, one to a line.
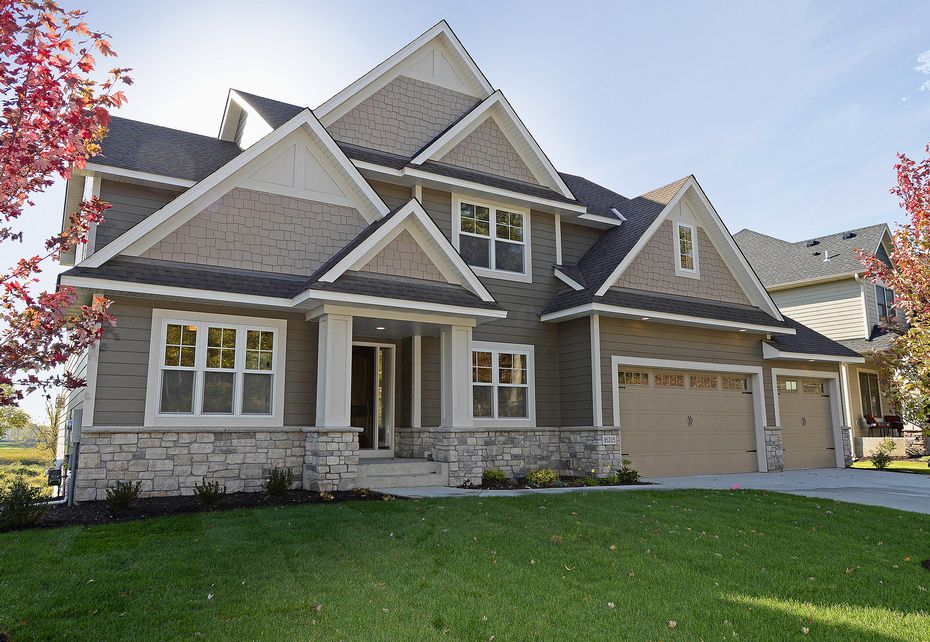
(373,328)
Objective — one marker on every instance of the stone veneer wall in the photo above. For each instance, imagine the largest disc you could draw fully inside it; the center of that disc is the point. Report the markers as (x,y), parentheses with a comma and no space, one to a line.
(571,451)
(846,435)
(774,450)
(414,443)
(331,460)
(170,463)
(488,150)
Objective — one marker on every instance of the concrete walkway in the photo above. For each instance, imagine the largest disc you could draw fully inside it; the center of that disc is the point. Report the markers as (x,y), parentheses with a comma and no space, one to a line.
(892,490)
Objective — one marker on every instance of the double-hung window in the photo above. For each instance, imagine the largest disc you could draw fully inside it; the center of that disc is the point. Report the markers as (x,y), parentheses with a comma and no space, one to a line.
(686,250)
(215,370)
(493,239)
(885,298)
(502,382)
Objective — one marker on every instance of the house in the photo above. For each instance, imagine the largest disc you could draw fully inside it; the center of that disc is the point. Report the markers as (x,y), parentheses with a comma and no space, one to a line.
(399,287)
(821,283)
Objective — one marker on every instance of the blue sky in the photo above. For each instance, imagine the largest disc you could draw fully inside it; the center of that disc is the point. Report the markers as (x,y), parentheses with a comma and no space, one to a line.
(789,113)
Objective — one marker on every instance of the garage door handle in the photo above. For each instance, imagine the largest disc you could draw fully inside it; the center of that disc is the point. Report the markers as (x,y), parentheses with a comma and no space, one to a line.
(690,420)
(831,448)
(803,421)
(752,451)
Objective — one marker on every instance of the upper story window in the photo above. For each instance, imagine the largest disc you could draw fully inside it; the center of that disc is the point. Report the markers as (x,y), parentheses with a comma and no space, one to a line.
(885,298)
(686,250)
(493,239)
(215,369)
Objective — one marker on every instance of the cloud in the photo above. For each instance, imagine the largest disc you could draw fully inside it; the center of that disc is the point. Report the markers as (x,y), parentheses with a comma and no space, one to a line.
(924,68)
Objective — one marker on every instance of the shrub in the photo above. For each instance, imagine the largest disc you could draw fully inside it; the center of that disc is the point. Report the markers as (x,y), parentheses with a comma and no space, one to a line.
(494,477)
(20,505)
(361,492)
(209,493)
(881,456)
(122,496)
(626,474)
(279,482)
(327,497)
(542,477)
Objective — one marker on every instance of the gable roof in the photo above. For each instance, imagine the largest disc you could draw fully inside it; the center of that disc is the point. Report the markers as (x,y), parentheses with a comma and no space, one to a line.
(376,78)
(779,262)
(273,112)
(160,223)
(497,106)
(143,147)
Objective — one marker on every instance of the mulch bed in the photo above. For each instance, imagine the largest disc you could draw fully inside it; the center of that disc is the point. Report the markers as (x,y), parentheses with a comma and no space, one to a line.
(97,512)
(564,482)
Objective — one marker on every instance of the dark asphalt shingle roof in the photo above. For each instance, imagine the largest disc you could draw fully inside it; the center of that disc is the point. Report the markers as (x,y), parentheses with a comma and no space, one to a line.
(274,112)
(808,341)
(131,144)
(879,340)
(778,262)
(367,155)
(454,171)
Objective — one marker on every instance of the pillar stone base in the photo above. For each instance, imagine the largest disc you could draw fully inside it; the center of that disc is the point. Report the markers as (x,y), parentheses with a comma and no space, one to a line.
(846,435)
(331,460)
(774,451)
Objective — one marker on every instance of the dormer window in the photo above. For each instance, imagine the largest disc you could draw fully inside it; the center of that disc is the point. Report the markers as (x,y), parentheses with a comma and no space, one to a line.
(493,239)
(686,253)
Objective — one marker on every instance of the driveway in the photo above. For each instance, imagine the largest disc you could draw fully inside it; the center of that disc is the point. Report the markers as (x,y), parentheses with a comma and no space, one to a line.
(892,490)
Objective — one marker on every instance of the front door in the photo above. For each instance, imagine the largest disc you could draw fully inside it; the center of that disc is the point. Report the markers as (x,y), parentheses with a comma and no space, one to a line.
(373,396)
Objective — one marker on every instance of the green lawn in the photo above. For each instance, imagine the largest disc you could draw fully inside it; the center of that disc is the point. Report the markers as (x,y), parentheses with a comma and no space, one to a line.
(31,463)
(601,565)
(902,465)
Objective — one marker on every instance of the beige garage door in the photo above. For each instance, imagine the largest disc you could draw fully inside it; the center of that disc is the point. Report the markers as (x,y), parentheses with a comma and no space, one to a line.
(686,423)
(806,423)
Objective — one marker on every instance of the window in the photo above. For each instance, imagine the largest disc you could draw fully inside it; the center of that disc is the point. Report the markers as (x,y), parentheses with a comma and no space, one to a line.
(885,298)
(670,380)
(633,378)
(870,394)
(812,387)
(686,255)
(735,383)
(704,382)
(787,385)
(492,238)
(215,369)
(502,381)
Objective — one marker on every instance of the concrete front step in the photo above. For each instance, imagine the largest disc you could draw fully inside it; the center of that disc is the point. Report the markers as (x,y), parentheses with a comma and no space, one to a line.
(401,473)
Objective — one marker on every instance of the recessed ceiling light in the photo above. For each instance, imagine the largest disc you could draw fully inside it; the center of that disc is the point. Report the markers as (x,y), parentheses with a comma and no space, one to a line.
(380,327)
(743,330)
(645,318)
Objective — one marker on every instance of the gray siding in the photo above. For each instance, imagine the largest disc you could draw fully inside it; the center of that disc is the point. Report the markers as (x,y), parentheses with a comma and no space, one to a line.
(77,367)
(576,241)
(662,341)
(122,367)
(575,372)
(430,411)
(129,204)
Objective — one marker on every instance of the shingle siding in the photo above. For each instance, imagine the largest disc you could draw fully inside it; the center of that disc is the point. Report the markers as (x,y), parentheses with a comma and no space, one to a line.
(252,230)
(487,150)
(402,117)
(653,270)
(404,257)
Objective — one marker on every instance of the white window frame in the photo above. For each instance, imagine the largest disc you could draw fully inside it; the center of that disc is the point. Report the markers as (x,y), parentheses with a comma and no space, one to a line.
(160,321)
(527,275)
(679,270)
(513,348)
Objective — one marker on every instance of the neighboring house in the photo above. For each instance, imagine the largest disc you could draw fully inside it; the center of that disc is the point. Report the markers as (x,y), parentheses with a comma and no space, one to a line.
(820,282)
(402,273)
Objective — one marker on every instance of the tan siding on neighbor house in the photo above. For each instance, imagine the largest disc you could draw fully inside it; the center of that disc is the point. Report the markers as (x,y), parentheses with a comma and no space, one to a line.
(487,150)
(661,341)
(653,270)
(402,117)
(129,204)
(404,257)
(122,366)
(257,231)
(833,309)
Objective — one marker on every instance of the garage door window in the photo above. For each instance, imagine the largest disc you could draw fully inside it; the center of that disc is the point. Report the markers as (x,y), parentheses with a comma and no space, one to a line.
(813,387)
(628,378)
(787,385)
(670,380)
(735,383)
(703,382)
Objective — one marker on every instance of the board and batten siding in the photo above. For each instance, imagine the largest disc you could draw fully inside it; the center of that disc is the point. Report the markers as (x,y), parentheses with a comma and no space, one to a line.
(122,366)
(129,204)
(833,309)
(631,338)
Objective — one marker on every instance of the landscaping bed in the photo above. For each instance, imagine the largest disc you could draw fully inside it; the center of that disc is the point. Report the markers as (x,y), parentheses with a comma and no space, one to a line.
(563,482)
(99,512)
(919,466)
(497,479)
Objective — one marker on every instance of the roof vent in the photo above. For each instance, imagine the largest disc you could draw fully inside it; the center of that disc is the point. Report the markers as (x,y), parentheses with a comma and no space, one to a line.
(826,256)
(813,242)
(816,253)
(849,235)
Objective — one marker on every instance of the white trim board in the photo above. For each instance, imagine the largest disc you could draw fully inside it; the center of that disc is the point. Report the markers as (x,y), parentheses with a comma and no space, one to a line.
(771,352)
(136,175)
(836,412)
(497,107)
(381,75)
(758,390)
(152,229)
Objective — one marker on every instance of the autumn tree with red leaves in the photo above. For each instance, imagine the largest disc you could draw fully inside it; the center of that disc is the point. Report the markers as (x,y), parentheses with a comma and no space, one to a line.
(54,114)
(906,366)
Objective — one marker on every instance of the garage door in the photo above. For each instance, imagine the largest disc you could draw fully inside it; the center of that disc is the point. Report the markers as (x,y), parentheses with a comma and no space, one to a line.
(686,423)
(806,423)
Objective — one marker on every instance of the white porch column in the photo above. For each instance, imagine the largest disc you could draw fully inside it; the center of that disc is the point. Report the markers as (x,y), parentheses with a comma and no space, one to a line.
(334,372)
(456,395)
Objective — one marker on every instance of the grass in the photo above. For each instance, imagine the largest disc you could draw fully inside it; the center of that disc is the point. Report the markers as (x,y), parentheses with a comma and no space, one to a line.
(601,565)
(919,466)
(30,462)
